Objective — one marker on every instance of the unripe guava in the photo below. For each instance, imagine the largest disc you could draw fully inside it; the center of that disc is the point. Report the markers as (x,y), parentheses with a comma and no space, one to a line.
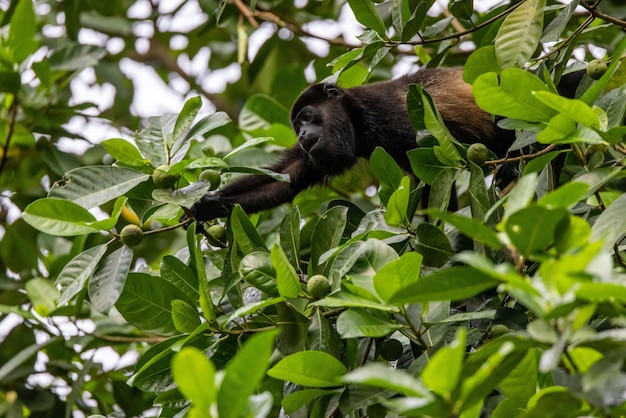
(218,232)
(477,153)
(131,235)
(208,150)
(391,349)
(499,330)
(318,286)
(596,69)
(162,179)
(213,177)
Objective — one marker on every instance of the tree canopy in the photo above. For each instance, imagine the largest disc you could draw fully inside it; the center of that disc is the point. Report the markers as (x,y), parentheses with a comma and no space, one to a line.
(356,300)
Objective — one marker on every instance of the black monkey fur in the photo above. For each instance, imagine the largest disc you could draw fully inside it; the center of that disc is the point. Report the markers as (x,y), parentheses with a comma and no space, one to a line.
(336,126)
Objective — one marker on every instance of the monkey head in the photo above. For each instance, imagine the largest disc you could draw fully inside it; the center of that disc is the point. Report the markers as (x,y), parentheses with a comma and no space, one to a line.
(323,122)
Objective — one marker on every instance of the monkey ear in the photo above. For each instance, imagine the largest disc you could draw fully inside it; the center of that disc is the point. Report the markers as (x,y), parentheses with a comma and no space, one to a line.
(332,90)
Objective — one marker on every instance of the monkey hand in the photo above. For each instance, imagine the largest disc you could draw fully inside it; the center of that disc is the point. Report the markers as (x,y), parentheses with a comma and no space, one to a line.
(209,206)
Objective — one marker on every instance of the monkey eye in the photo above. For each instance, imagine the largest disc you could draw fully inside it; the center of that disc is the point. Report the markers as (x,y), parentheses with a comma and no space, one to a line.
(306,115)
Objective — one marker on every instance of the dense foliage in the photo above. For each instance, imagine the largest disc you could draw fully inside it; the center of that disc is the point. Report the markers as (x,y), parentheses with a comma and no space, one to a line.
(512,306)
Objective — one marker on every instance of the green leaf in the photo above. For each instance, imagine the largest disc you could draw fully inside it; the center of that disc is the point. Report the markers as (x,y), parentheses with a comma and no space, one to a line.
(287,279)
(125,152)
(396,213)
(574,109)
(454,283)
(510,94)
(71,280)
(106,285)
(425,164)
(565,196)
(74,56)
(95,185)
(184,121)
(521,195)
(260,112)
(383,376)
(611,224)
(532,229)
(256,268)
(184,316)
(290,236)
(206,125)
(10,82)
(519,34)
(246,236)
(479,197)
(248,144)
(194,243)
(22,39)
(326,235)
(521,383)
(387,171)
(42,294)
(180,275)
(309,368)
(195,376)
(366,13)
(481,61)
(295,400)
(433,245)
(471,227)
(442,372)
(244,373)
(395,275)
(59,217)
(359,323)
(446,151)
(13,364)
(146,303)
(151,140)
(415,22)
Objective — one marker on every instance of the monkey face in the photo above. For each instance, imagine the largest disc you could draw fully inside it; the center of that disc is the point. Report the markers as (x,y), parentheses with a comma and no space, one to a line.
(324,128)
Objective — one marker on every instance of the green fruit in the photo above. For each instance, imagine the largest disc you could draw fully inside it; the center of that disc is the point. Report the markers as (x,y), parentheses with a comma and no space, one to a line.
(391,349)
(499,330)
(218,232)
(208,150)
(477,153)
(131,235)
(162,179)
(213,177)
(376,411)
(318,286)
(596,69)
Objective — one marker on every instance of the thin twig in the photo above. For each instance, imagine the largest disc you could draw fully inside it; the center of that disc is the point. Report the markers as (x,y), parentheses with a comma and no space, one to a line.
(522,157)
(592,9)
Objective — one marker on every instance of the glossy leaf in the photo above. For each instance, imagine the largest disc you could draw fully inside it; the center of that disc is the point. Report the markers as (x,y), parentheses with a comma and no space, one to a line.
(72,279)
(95,185)
(454,283)
(519,34)
(309,368)
(59,217)
(244,373)
(358,323)
(287,280)
(195,374)
(105,287)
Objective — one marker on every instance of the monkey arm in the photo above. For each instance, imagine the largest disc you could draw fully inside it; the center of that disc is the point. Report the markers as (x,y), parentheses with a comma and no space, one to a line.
(258,192)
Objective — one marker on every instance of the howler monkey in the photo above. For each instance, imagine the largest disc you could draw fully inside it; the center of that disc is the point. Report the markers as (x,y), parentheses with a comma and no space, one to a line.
(336,126)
